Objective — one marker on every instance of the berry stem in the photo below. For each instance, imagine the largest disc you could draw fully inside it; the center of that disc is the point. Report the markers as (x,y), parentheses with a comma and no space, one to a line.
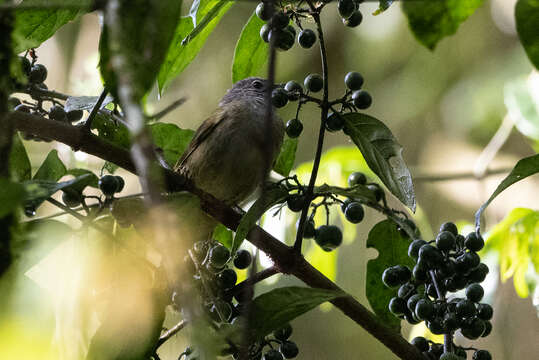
(95,109)
(255,278)
(323,115)
(448,338)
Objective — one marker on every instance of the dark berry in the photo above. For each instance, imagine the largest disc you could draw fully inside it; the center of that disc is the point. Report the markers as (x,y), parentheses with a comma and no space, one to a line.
(473,328)
(413,249)
(284,38)
(390,277)
(295,202)
(465,308)
(449,356)
(108,185)
(451,322)
(437,349)
(404,274)
(289,349)
(313,82)
(243,258)
(449,226)
(406,291)
(272,355)
(484,311)
(377,191)
(346,8)
(219,256)
(121,183)
(420,343)
(72,199)
(280,20)
(23,108)
(412,301)
(264,11)
(436,326)
(283,333)
(334,122)
(474,242)
(306,38)
(294,89)
(13,102)
(429,254)
(397,306)
(488,328)
(294,127)
(264,32)
(474,292)
(328,237)
(345,203)
(57,113)
(353,80)
(227,279)
(74,115)
(354,19)
(479,273)
(445,241)
(361,99)
(279,97)
(38,74)
(357,178)
(419,273)
(481,355)
(424,310)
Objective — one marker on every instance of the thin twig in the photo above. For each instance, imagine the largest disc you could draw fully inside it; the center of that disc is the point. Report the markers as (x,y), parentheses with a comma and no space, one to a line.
(255,278)
(170,333)
(469,175)
(95,109)
(165,111)
(323,115)
(494,145)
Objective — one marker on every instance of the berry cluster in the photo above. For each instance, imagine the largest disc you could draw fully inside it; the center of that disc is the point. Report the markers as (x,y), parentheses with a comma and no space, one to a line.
(224,302)
(349,12)
(36,74)
(445,265)
(327,236)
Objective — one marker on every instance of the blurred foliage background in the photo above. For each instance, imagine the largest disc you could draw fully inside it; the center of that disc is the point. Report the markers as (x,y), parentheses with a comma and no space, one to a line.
(443,106)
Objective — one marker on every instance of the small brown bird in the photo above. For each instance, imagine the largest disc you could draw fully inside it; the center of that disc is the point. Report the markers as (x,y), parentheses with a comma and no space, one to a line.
(228,155)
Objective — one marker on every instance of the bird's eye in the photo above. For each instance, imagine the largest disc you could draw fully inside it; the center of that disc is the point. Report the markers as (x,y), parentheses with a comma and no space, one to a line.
(257,84)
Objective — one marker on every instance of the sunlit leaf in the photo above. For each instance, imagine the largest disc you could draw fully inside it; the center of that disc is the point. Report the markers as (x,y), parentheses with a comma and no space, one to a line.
(223,235)
(19,164)
(524,168)
(522,106)
(276,308)
(111,131)
(392,250)
(287,156)
(37,191)
(178,55)
(52,169)
(251,52)
(383,6)
(90,180)
(382,153)
(431,21)
(527,18)
(516,240)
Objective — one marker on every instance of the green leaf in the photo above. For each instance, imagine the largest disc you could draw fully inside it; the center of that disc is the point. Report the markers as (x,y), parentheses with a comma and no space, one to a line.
(34,26)
(19,164)
(111,131)
(223,235)
(516,240)
(51,169)
(90,180)
(382,153)
(146,29)
(527,18)
(208,17)
(276,308)
(251,51)
(171,139)
(37,191)
(287,156)
(392,250)
(269,198)
(524,168)
(431,21)
(522,106)
(178,55)
(11,196)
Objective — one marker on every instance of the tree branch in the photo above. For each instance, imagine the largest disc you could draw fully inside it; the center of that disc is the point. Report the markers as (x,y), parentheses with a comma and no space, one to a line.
(284,257)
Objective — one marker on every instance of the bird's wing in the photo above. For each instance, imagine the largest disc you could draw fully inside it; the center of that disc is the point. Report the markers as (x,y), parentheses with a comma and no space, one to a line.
(202,133)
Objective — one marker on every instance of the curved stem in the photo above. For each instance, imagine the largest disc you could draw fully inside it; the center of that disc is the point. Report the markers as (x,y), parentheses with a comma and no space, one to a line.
(324,105)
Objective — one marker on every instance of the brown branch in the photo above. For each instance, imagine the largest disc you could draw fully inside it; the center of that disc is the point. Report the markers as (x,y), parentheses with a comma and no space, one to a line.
(170,333)
(284,257)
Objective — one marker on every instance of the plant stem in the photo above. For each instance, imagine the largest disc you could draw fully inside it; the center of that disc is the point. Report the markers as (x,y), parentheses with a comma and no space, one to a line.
(323,115)
(170,333)
(95,109)
(448,338)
